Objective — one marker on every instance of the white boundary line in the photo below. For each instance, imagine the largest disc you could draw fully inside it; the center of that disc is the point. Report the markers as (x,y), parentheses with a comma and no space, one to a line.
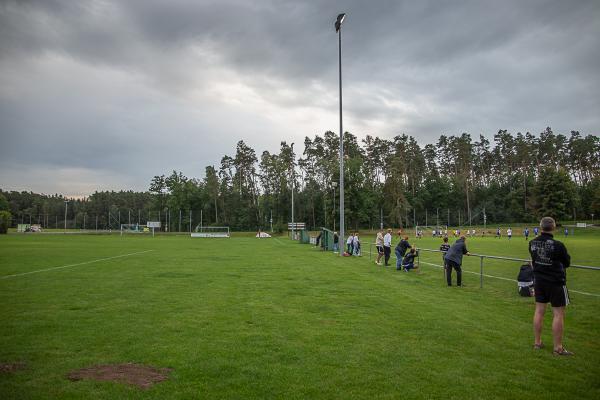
(75,265)
(507,279)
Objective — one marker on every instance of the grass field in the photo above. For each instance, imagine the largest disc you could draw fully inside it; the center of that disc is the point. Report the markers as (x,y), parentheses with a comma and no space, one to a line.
(247,318)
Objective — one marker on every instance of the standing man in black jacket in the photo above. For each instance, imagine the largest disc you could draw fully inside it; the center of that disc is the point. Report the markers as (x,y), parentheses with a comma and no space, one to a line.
(550,260)
(453,259)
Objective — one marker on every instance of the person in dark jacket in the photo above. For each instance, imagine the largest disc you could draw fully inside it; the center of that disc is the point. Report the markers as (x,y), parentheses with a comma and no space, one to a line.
(408,262)
(550,260)
(453,259)
(401,251)
(444,249)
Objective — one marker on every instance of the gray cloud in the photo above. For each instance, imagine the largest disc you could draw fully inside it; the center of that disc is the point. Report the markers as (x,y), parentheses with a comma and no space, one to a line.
(122,91)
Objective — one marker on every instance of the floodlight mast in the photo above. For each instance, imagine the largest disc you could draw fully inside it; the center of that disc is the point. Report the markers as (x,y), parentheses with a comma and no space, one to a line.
(338,29)
(293,178)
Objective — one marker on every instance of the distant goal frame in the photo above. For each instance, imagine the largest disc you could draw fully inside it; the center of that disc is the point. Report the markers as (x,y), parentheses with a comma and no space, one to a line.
(211,232)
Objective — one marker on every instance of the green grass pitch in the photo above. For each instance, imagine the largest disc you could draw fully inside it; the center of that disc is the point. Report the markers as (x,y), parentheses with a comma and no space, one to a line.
(246,318)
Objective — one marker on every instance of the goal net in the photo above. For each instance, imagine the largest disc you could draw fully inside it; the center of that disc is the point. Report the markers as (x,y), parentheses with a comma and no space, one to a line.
(211,232)
(134,228)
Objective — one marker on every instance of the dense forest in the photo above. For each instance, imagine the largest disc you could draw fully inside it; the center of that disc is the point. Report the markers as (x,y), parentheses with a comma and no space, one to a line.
(456,181)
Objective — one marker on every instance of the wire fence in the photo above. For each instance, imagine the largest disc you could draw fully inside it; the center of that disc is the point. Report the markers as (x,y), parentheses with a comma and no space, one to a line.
(482,257)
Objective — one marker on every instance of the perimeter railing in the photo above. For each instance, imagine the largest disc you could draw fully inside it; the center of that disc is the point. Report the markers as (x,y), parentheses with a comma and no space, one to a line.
(482,257)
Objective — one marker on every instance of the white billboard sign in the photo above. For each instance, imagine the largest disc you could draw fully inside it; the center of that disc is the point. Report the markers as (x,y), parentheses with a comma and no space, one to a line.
(153,224)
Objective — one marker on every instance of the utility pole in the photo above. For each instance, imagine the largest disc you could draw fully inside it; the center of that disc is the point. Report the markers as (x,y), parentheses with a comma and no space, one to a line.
(338,29)
(66,203)
(293,177)
(179,230)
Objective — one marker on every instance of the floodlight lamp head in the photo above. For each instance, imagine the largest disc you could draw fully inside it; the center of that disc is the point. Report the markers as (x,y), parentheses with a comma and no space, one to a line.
(338,22)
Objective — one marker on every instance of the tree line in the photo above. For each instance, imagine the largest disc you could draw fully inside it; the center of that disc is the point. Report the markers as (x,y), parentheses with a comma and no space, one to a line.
(456,181)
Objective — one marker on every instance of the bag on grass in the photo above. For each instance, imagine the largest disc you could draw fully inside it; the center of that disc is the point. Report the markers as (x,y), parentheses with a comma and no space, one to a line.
(525,280)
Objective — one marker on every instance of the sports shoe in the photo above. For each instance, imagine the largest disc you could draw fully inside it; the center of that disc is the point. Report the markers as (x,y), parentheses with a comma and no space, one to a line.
(563,352)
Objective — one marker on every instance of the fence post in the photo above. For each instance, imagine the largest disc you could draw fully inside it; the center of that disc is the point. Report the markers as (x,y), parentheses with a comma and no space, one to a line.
(481,272)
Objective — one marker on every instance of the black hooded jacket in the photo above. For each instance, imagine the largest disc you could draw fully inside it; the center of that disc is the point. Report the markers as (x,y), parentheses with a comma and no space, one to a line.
(549,259)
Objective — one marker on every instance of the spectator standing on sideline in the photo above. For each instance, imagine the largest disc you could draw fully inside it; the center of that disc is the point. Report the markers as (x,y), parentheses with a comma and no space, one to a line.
(453,259)
(566,232)
(356,244)
(400,251)
(509,233)
(526,233)
(336,242)
(498,233)
(387,247)
(550,259)
(536,230)
(349,243)
(379,246)
(444,248)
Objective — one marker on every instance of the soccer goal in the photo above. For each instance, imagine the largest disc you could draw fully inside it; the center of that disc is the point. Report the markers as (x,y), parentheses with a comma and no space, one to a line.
(134,228)
(211,232)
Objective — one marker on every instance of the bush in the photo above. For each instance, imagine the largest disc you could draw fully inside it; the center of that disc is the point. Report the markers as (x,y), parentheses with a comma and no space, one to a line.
(5,219)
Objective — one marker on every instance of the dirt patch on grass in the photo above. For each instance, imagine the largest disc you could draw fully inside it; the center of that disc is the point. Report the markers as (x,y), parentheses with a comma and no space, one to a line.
(7,368)
(138,375)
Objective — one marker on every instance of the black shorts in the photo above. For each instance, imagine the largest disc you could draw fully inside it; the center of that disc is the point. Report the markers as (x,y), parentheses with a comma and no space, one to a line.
(556,295)
(379,249)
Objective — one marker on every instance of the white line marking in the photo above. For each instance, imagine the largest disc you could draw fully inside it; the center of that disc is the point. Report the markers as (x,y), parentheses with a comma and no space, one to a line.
(74,265)
(507,279)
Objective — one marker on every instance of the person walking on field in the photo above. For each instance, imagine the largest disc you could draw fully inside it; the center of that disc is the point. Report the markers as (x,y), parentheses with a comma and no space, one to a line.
(453,259)
(379,246)
(549,259)
(387,247)
(509,233)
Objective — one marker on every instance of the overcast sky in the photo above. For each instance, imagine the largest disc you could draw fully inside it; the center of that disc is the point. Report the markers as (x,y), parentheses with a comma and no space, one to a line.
(98,95)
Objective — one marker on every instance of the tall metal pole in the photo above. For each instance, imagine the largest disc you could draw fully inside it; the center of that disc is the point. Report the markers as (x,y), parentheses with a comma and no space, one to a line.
(334,208)
(342,233)
(179,230)
(293,178)
(66,202)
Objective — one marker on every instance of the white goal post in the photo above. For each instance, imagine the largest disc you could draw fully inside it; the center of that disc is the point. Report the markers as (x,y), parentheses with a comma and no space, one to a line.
(211,232)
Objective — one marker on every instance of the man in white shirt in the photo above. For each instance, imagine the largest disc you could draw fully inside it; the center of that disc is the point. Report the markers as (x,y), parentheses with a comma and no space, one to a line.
(387,246)
(350,243)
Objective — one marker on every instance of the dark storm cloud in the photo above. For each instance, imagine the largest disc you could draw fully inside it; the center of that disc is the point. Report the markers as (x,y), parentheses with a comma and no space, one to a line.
(125,90)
